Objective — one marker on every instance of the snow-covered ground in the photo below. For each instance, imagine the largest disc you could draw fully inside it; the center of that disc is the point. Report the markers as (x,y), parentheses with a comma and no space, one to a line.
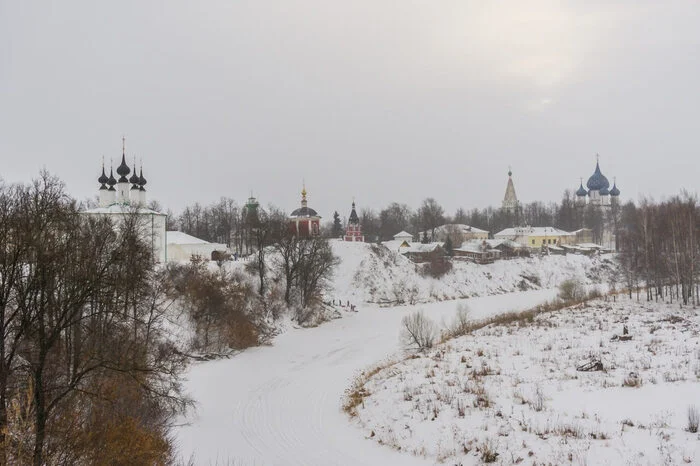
(281,405)
(515,391)
(374,274)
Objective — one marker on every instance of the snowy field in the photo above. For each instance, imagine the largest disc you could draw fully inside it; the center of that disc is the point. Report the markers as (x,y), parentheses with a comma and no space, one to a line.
(512,393)
(281,405)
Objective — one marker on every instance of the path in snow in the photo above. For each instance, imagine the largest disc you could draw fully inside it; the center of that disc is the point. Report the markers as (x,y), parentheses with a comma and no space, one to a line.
(281,405)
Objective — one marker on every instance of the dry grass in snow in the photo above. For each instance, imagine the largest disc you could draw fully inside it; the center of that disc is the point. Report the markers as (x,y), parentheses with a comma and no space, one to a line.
(511,393)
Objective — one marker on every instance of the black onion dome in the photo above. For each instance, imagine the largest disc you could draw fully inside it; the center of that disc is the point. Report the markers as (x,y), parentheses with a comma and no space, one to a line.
(581,192)
(123,170)
(142,180)
(304,212)
(597,181)
(103,178)
(111,181)
(354,219)
(614,191)
(134,178)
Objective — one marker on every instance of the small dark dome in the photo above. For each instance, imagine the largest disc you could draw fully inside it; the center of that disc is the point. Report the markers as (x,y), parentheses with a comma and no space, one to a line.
(134,178)
(123,170)
(597,181)
(304,212)
(111,181)
(142,180)
(581,192)
(614,191)
(103,178)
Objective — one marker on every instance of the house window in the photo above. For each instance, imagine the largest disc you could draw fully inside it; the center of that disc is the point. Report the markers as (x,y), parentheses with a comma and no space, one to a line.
(533,241)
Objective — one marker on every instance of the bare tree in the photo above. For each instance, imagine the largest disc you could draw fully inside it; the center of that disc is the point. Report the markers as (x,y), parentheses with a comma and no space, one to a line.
(84,312)
(431,215)
(418,331)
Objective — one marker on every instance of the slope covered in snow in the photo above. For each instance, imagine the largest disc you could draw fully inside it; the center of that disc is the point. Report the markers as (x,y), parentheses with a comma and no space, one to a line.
(512,393)
(373,274)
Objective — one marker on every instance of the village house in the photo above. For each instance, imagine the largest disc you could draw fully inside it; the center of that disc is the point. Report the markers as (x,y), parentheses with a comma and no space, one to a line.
(457,232)
(403,237)
(537,237)
(183,247)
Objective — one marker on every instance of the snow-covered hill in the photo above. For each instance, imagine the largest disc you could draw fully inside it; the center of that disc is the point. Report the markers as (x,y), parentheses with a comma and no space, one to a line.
(512,393)
(373,274)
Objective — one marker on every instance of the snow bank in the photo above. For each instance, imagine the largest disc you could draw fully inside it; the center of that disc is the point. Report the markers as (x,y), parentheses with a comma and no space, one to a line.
(373,274)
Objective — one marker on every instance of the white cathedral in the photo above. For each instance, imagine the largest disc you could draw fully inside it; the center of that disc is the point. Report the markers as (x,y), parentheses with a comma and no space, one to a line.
(129,198)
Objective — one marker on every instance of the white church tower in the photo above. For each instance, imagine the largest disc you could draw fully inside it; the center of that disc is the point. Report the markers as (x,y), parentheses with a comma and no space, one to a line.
(510,200)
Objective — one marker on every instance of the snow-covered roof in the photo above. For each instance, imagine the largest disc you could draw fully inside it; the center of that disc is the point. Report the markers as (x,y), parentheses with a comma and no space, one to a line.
(396,245)
(179,237)
(422,247)
(463,228)
(403,234)
(404,247)
(533,231)
(471,246)
(122,209)
(478,245)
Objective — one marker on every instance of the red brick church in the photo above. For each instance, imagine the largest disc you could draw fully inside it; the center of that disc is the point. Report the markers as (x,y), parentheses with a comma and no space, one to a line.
(304,222)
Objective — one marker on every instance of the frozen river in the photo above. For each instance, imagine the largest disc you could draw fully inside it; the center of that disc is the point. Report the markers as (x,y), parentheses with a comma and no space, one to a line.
(281,405)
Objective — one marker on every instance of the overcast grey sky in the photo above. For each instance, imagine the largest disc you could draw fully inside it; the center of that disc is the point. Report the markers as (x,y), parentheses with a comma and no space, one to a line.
(380,100)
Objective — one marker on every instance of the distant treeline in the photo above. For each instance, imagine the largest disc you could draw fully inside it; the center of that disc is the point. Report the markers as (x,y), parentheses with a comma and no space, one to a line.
(227,222)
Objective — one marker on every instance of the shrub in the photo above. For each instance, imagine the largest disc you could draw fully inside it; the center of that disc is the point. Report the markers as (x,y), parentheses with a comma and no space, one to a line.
(693,419)
(460,324)
(538,402)
(488,452)
(572,290)
(418,331)
(218,305)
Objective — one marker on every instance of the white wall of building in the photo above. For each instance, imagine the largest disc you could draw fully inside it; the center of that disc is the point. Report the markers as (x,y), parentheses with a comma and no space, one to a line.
(151,223)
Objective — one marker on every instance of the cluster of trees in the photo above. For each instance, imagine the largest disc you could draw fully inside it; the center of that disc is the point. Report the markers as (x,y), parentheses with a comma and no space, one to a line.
(86,373)
(659,248)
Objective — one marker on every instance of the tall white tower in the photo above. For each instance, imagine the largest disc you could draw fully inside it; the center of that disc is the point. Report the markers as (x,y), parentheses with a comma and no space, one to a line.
(510,200)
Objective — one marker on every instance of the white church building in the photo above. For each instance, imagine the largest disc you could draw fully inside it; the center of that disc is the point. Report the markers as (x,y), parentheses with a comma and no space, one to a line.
(127,196)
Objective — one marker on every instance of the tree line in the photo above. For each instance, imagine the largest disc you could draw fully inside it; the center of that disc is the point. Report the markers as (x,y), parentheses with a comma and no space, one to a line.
(229,223)
(659,249)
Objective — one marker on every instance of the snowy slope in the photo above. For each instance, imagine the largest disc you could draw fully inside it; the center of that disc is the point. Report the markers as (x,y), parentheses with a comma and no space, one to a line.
(515,390)
(373,274)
